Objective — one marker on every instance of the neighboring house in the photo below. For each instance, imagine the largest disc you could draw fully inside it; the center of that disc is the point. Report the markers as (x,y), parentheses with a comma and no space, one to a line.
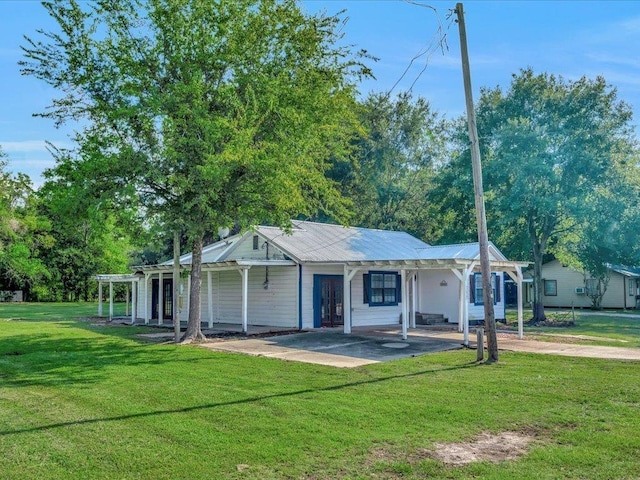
(566,287)
(298,280)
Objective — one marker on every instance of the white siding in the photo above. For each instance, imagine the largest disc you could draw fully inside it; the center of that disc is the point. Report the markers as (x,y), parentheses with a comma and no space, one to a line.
(363,314)
(244,250)
(275,306)
(437,298)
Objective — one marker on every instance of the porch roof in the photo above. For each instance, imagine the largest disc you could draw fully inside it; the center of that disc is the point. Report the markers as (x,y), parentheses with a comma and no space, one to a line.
(224,265)
(117,277)
(438,264)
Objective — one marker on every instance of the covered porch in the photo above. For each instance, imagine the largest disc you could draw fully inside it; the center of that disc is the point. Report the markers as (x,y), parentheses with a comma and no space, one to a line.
(412,295)
(226,289)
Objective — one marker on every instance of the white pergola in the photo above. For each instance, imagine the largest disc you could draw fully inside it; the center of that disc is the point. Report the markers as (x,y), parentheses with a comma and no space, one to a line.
(129,279)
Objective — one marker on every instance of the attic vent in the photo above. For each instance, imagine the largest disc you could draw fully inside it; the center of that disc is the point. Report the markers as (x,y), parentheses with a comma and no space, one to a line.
(256,241)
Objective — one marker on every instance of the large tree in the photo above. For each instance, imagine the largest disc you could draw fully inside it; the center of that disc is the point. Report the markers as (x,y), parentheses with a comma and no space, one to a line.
(89,233)
(607,237)
(401,141)
(208,114)
(23,233)
(548,144)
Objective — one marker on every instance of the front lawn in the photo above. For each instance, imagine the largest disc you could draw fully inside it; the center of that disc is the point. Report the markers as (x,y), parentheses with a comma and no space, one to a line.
(622,331)
(80,401)
(56,310)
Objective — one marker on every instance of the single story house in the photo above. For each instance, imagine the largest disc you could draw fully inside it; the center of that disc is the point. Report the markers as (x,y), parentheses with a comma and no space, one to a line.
(565,287)
(323,275)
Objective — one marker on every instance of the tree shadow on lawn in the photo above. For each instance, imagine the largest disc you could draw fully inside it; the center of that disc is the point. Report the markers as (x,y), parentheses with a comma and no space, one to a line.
(42,359)
(248,400)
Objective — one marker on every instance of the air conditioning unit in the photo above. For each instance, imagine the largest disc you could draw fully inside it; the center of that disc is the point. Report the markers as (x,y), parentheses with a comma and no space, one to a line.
(579,290)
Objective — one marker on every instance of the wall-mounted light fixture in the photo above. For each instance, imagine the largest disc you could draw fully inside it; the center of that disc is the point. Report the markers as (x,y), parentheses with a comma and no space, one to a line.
(443,283)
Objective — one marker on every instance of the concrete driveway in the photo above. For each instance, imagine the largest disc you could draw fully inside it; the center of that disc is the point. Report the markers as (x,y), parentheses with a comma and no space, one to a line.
(333,347)
(381,344)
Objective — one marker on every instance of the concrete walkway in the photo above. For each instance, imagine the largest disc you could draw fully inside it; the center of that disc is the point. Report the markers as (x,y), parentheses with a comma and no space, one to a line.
(510,342)
(334,348)
(373,345)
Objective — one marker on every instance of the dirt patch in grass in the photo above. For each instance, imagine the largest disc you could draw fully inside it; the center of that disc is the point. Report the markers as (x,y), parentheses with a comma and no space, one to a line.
(486,447)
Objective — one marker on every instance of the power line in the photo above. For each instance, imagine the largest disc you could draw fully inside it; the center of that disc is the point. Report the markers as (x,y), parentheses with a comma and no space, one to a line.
(437,42)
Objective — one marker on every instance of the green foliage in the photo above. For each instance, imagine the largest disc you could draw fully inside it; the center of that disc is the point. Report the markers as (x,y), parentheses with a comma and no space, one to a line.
(205,114)
(89,239)
(23,233)
(392,166)
(549,146)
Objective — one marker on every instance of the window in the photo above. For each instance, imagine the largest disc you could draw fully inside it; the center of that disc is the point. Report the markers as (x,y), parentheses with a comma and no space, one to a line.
(476,292)
(551,288)
(256,241)
(381,289)
(632,286)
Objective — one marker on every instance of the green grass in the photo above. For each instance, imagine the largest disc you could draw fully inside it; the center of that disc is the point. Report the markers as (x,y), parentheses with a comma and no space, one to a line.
(622,331)
(79,401)
(57,310)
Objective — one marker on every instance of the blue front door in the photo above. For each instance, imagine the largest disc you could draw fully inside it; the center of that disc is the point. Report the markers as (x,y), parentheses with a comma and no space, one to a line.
(327,300)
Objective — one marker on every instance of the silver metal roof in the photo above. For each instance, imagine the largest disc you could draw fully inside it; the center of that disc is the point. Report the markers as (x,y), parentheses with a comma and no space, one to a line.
(310,242)
(320,242)
(626,271)
(211,253)
(462,251)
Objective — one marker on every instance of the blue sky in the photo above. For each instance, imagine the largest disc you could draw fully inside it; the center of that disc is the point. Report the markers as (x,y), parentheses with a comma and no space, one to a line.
(568,38)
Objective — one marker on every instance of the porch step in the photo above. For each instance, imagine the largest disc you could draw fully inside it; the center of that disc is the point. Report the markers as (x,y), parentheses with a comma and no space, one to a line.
(430,318)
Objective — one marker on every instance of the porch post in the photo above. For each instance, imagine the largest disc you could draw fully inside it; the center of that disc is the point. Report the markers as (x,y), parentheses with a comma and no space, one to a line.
(134,301)
(413,281)
(405,319)
(210,299)
(245,290)
(520,301)
(346,300)
(465,320)
(465,328)
(110,300)
(126,300)
(346,297)
(461,298)
(99,298)
(146,298)
(460,275)
(160,308)
(188,302)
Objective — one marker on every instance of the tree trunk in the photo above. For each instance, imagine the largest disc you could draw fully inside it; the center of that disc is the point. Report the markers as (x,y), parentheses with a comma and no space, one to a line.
(176,281)
(538,287)
(193,332)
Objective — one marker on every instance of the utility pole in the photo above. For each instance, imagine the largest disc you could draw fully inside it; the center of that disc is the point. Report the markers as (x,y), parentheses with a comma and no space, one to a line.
(481,219)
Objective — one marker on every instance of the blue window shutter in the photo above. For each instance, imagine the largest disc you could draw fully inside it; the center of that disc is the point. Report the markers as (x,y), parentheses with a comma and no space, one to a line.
(398,288)
(472,288)
(497,288)
(366,285)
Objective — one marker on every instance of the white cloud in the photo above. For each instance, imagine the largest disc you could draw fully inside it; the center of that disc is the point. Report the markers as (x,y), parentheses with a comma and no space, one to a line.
(24,146)
(621,60)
